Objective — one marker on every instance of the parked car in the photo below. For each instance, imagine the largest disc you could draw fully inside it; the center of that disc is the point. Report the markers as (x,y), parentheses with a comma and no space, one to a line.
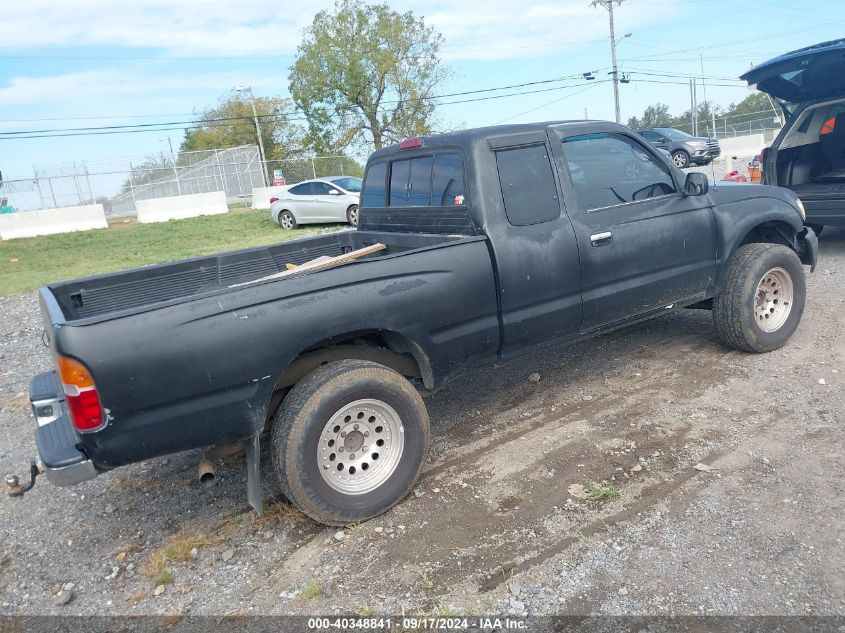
(808,156)
(332,199)
(684,148)
(486,244)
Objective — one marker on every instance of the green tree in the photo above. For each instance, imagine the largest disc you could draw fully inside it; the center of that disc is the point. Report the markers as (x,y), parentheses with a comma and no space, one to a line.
(364,75)
(230,124)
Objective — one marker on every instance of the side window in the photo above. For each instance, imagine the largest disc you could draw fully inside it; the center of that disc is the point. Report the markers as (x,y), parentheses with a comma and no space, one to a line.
(372,194)
(528,185)
(653,137)
(609,169)
(305,189)
(447,181)
(322,188)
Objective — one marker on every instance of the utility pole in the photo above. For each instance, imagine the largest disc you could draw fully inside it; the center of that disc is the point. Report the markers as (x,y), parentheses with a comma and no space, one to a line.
(262,158)
(608,4)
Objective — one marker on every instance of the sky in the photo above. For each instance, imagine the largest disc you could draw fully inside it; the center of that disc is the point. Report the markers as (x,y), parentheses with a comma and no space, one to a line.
(93,63)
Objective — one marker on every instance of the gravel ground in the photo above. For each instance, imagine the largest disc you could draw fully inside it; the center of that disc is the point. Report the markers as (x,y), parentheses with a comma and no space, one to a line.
(499,522)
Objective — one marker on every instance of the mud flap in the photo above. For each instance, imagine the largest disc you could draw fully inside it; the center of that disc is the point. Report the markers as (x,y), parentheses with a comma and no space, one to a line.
(252,448)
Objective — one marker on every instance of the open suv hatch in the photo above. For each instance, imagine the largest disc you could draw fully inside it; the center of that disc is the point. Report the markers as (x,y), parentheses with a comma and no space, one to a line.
(808,156)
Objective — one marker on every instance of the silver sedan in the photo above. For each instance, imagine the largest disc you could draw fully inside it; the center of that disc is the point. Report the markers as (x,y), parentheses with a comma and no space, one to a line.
(332,199)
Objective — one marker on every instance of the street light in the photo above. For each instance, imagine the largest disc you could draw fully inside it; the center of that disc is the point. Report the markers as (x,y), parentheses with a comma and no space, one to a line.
(261,155)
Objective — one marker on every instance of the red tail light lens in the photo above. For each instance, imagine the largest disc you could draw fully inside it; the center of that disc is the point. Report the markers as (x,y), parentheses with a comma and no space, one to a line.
(272,200)
(86,412)
(762,156)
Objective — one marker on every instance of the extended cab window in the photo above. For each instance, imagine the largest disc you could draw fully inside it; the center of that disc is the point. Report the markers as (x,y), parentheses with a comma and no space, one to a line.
(609,169)
(373,190)
(528,185)
(427,181)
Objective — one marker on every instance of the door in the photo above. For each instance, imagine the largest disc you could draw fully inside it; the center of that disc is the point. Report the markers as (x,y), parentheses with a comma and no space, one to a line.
(303,201)
(534,247)
(643,245)
(329,206)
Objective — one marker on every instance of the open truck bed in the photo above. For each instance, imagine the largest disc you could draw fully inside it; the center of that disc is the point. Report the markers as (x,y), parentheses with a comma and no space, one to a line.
(95,298)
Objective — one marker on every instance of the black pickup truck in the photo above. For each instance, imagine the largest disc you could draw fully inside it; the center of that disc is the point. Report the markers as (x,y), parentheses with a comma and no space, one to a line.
(499,241)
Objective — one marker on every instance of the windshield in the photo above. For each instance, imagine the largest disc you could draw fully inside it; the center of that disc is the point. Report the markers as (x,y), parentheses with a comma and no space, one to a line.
(349,183)
(675,135)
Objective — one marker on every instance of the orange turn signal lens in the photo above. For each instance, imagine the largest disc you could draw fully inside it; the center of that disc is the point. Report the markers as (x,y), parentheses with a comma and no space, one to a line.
(72,372)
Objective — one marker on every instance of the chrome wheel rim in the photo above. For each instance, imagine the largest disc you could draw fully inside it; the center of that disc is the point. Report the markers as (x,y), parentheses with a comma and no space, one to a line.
(773,300)
(287,221)
(679,160)
(360,446)
(353,217)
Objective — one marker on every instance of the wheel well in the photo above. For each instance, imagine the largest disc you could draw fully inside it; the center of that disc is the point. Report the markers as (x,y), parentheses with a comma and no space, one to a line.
(771,233)
(385,347)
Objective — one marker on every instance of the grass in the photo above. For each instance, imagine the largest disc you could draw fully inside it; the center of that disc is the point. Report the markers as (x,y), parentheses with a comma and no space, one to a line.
(366,611)
(178,549)
(602,492)
(313,589)
(28,263)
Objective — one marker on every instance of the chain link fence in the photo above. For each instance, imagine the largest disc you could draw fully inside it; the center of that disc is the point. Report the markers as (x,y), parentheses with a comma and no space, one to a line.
(118,184)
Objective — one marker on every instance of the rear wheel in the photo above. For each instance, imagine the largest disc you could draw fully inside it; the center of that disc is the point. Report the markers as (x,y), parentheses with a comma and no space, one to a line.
(762,301)
(352,215)
(349,442)
(287,221)
(680,158)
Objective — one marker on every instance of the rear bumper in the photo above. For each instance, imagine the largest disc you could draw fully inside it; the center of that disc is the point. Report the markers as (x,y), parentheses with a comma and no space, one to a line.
(59,455)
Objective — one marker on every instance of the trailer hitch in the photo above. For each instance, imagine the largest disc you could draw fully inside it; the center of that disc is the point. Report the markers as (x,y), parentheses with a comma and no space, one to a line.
(14,487)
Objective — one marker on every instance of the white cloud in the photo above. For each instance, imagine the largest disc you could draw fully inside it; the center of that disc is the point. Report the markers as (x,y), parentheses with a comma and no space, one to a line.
(497,29)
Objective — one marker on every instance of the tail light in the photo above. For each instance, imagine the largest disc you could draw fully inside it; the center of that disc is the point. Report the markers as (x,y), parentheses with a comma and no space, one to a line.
(411,143)
(272,200)
(762,156)
(86,412)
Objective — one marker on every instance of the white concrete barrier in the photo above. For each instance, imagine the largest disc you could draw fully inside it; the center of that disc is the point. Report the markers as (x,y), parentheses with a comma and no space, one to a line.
(742,146)
(178,207)
(52,221)
(261,196)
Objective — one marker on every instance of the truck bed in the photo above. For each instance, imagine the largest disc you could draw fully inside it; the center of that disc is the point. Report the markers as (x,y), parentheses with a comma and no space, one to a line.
(113,293)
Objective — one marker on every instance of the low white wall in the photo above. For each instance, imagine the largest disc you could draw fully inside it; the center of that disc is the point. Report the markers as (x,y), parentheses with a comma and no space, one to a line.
(749,145)
(52,221)
(178,207)
(261,196)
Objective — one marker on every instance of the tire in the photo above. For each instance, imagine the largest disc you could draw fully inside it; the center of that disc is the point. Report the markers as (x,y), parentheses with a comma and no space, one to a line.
(754,311)
(352,215)
(817,228)
(312,443)
(680,158)
(287,221)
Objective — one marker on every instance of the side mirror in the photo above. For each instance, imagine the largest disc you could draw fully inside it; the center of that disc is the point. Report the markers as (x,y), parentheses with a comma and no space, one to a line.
(696,184)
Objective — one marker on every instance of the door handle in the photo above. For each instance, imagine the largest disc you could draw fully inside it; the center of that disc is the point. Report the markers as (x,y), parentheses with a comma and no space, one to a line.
(600,239)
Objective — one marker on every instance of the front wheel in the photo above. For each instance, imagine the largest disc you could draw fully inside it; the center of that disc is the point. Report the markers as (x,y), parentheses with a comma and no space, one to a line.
(762,300)
(680,158)
(350,441)
(352,215)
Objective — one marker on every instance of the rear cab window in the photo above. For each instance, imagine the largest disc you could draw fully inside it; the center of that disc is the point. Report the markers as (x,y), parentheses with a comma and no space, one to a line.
(428,180)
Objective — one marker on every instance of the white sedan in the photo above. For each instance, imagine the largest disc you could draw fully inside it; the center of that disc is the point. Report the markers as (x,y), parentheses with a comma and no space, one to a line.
(332,199)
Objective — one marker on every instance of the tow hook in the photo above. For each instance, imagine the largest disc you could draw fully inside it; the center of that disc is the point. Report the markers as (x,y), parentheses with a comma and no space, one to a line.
(14,487)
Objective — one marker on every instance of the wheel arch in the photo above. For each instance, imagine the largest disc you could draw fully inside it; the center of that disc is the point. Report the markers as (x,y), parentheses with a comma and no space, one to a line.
(386,347)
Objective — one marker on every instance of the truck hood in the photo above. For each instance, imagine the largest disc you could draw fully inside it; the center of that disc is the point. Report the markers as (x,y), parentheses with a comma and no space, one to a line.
(814,72)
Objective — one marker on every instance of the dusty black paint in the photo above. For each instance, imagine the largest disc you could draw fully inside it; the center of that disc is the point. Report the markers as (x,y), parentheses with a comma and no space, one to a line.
(181,360)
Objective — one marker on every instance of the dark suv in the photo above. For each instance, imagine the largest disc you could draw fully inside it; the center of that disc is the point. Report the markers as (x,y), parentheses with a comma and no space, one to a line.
(685,149)
(808,156)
